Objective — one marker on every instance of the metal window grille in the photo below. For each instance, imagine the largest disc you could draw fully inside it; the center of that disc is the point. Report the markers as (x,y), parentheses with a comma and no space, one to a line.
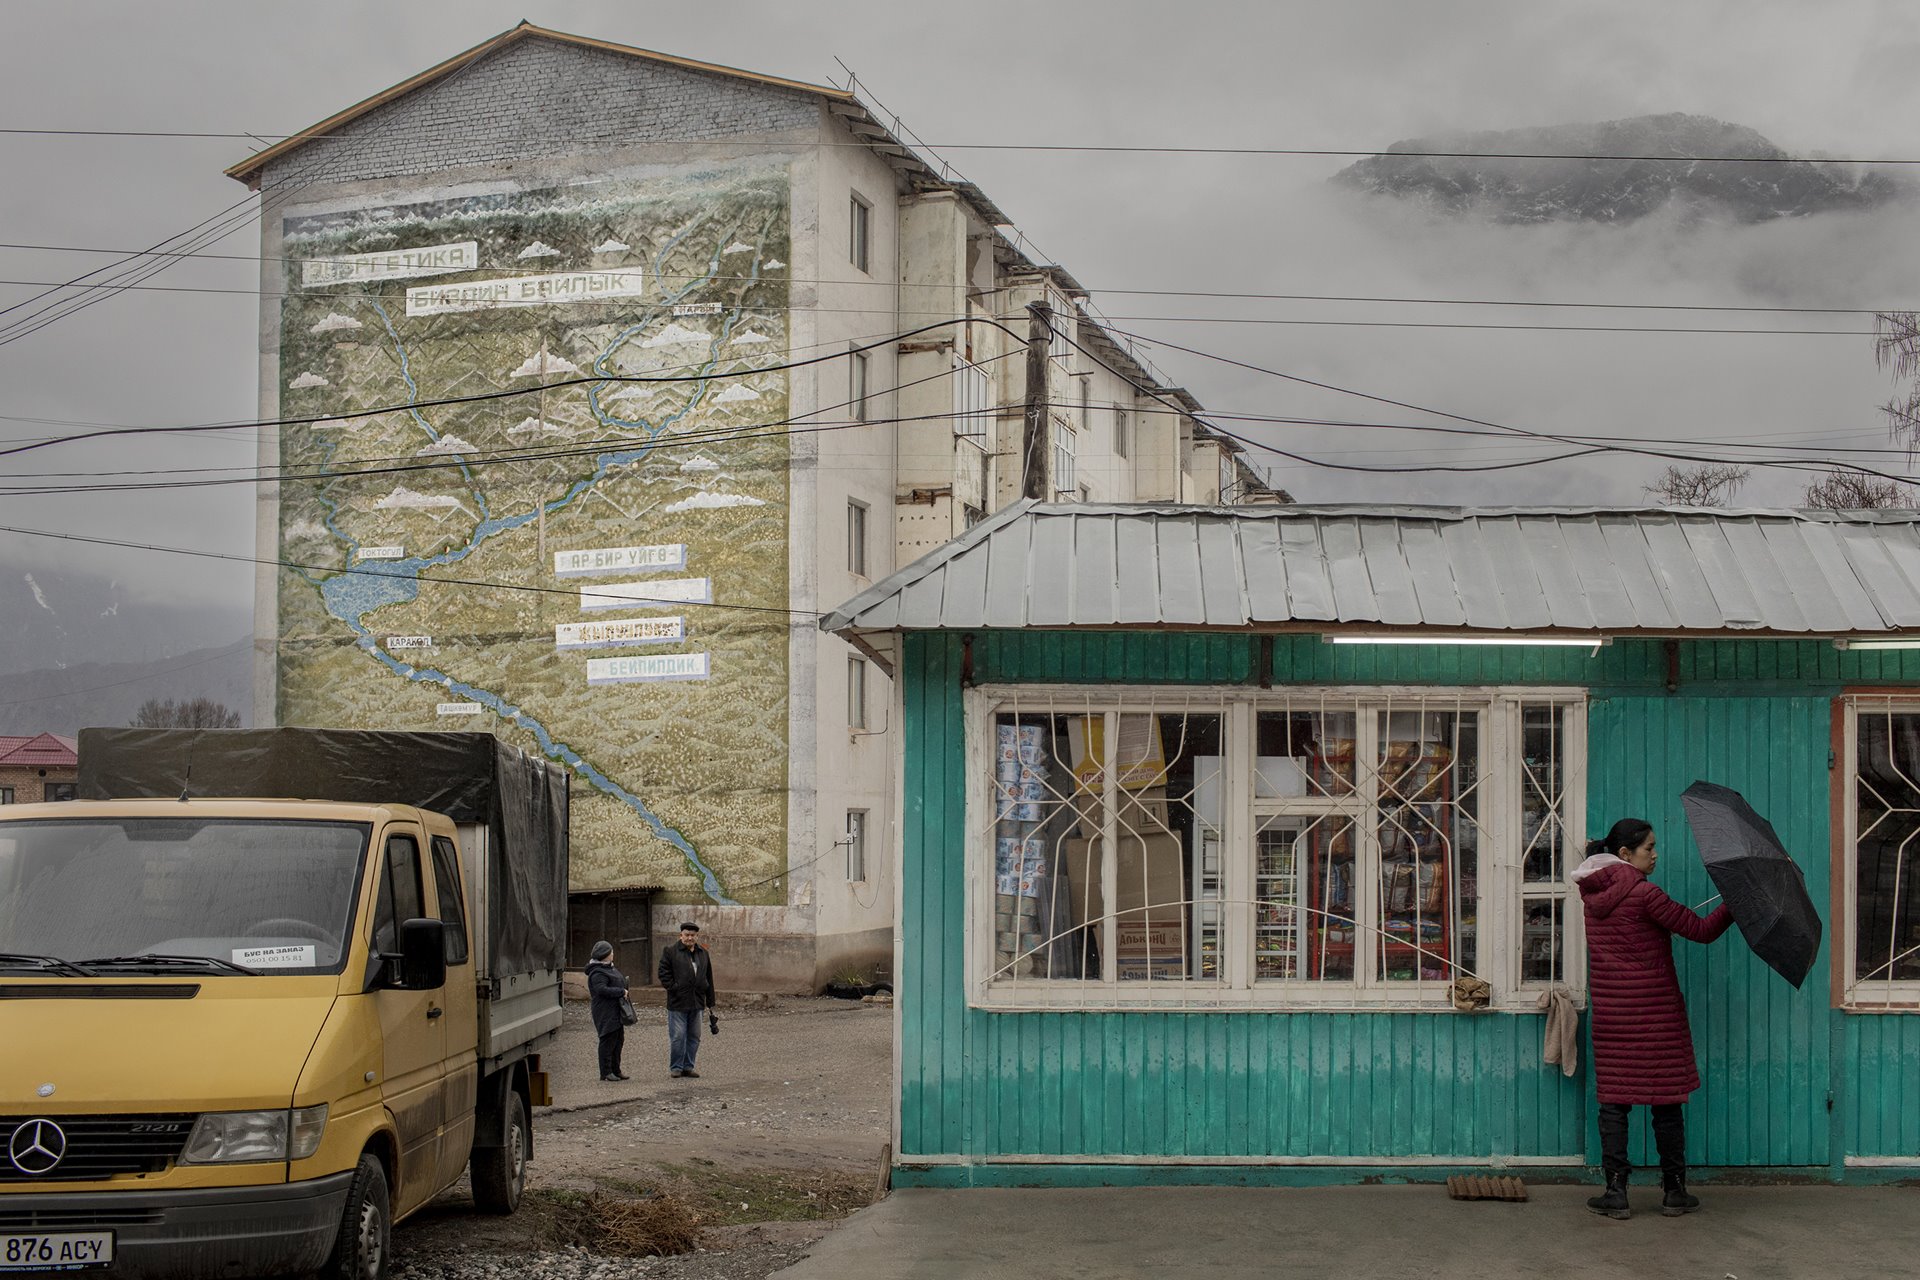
(1326,848)
(1883,838)
(973,402)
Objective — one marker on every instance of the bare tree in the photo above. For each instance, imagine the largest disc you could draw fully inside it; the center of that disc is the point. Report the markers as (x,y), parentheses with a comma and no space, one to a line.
(192,713)
(1852,491)
(1896,346)
(1708,485)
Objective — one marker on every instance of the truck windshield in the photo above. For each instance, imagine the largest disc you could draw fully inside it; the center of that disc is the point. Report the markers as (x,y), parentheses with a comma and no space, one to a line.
(177,895)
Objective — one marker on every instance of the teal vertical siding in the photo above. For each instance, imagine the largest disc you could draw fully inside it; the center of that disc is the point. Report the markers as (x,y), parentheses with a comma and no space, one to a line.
(1762,1046)
(1753,715)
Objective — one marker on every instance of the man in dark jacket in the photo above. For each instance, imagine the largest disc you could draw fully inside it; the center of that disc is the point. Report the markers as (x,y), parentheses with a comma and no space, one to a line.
(686,971)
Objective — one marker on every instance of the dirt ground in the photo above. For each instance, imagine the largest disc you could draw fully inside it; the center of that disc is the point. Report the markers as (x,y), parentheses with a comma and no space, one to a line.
(780,1137)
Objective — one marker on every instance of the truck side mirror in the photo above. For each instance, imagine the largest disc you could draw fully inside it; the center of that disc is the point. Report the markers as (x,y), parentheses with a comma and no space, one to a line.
(423,955)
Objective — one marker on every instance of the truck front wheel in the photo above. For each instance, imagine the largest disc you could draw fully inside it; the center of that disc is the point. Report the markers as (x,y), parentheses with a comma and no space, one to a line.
(500,1173)
(365,1243)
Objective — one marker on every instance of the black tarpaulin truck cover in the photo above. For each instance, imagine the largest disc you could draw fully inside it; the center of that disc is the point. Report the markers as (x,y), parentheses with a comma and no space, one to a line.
(469,777)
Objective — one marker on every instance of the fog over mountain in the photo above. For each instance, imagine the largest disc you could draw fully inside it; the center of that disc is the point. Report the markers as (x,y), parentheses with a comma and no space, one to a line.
(1576,190)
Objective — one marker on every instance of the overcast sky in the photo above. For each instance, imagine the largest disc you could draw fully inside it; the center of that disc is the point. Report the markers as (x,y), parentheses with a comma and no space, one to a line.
(1829,79)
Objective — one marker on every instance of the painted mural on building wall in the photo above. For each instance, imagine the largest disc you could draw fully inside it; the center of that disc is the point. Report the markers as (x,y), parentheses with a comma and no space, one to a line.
(595,569)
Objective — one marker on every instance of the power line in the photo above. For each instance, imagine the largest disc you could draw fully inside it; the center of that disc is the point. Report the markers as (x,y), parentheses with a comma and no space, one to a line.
(419,578)
(1393,153)
(891,286)
(512,392)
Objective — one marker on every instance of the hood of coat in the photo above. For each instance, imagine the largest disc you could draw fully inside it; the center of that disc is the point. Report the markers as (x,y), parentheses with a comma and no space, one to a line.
(1605,886)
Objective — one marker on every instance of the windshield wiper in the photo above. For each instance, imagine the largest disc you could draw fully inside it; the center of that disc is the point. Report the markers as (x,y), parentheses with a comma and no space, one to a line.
(154,960)
(53,964)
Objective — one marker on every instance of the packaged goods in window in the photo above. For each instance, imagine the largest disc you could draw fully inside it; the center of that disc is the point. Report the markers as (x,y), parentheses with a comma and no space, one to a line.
(1150,968)
(1142,812)
(1019,865)
(1140,755)
(1024,743)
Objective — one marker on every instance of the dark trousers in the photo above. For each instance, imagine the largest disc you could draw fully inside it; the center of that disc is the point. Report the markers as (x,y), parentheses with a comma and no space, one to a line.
(610,1046)
(1669,1136)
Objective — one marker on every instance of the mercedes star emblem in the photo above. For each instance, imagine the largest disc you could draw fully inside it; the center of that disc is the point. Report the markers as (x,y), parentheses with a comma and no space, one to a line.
(45,1091)
(37,1146)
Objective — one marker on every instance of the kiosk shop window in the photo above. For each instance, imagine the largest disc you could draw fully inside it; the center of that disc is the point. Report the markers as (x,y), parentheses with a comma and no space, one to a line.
(1345,847)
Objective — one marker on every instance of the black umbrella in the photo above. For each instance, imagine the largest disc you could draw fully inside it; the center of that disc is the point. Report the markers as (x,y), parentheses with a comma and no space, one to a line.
(1759,880)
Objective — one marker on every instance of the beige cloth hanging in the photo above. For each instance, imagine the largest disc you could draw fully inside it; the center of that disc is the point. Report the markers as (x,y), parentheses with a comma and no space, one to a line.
(1562,1045)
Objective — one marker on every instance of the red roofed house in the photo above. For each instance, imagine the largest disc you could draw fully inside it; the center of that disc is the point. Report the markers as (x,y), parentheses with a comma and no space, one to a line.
(42,767)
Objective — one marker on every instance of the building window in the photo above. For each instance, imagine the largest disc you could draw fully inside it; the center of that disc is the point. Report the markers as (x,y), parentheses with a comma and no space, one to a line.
(1064,442)
(1883,829)
(856,693)
(856,845)
(61,790)
(1122,443)
(973,402)
(857,538)
(6,795)
(1324,849)
(1085,421)
(859,231)
(857,386)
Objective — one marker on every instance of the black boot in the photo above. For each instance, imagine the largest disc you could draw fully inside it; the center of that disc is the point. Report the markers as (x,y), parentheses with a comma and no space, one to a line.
(1613,1201)
(1677,1201)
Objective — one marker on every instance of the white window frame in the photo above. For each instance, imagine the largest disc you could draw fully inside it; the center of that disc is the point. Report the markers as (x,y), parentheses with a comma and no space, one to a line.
(1066,462)
(859,380)
(856,693)
(1122,441)
(856,846)
(1865,993)
(1499,871)
(857,538)
(859,232)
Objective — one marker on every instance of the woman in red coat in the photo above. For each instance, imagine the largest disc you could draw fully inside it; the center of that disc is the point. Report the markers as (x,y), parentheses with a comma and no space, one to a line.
(1642,1047)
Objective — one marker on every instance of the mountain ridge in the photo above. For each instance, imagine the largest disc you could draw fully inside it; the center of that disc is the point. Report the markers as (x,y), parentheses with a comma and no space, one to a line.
(1553,184)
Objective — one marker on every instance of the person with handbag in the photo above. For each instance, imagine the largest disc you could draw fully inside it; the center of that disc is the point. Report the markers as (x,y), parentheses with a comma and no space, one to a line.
(612,1010)
(686,972)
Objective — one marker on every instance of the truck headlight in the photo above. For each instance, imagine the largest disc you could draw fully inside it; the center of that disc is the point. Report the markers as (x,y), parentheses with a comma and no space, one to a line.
(234,1137)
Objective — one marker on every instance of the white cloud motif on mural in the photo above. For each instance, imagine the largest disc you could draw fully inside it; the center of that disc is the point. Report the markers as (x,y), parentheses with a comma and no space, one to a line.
(700,463)
(773,264)
(677,335)
(738,246)
(538,249)
(308,379)
(333,322)
(712,502)
(611,245)
(405,499)
(446,446)
(749,338)
(535,427)
(543,362)
(738,391)
(304,529)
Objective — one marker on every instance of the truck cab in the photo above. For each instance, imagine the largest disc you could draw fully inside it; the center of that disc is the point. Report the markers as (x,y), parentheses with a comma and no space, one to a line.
(243,1037)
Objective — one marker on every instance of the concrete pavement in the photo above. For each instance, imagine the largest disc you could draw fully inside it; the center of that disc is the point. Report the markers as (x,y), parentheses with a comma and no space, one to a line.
(1357,1233)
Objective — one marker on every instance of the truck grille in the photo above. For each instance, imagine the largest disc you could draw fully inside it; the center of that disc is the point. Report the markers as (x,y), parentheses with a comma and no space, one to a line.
(91,1147)
(77,1219)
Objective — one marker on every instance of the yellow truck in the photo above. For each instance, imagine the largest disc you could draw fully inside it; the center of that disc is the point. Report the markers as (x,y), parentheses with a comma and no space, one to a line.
(265,993)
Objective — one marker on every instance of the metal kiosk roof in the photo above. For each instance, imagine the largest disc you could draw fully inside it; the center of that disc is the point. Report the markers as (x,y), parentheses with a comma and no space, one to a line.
(1506,571)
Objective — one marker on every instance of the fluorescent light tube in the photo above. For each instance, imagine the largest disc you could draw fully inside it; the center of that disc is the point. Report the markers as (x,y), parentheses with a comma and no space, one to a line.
(1565,642)
(1876,644)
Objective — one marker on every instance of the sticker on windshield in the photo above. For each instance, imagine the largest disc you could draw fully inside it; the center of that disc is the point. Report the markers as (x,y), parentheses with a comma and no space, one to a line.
(274,957)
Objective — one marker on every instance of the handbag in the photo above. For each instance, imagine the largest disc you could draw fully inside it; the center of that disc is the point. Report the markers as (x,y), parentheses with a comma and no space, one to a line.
(627,1016)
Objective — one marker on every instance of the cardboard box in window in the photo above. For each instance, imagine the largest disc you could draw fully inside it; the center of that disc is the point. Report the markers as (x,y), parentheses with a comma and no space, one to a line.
(1143,812)
(1140,756)
(1133,939)
(1155,968)
(1152,881)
